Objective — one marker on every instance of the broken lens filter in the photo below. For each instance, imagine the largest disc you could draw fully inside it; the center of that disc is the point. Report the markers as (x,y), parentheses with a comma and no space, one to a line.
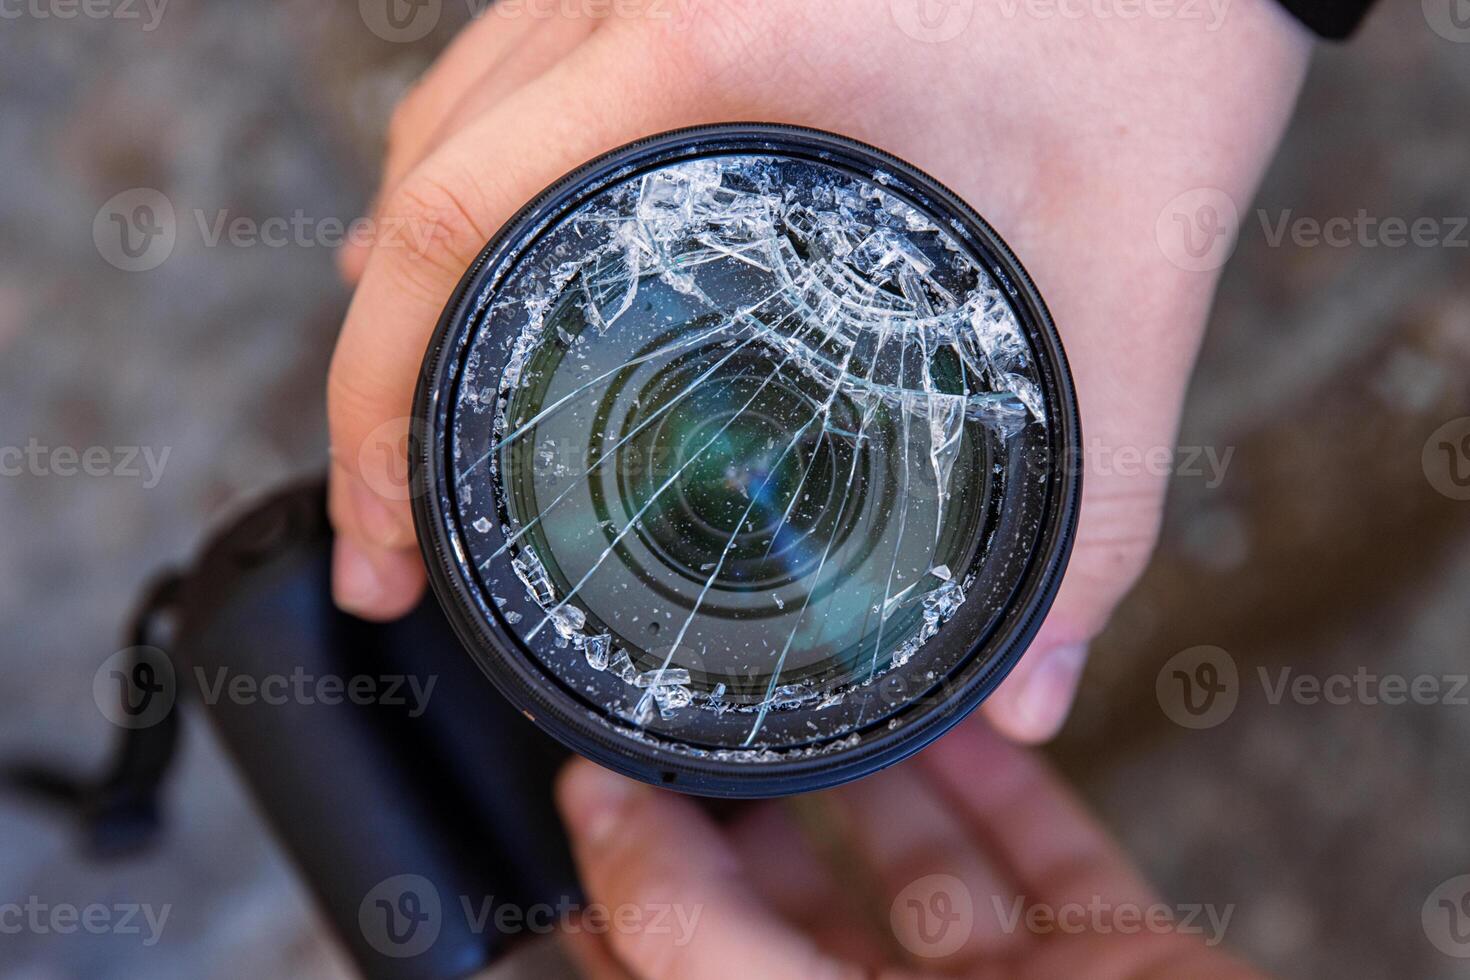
(748,460)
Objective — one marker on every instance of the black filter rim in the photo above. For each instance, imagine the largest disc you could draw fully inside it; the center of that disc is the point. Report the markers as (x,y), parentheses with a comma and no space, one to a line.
(537,693)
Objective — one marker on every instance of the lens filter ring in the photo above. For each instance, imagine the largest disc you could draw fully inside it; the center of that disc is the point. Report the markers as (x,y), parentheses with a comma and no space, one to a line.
(750,460)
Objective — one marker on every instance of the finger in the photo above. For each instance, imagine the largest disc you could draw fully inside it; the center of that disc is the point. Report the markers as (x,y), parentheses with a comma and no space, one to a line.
(589,952)
(532,56)
(1053,848)
(781,865)
(452,203)
(795,873)
(643,852)
(492,57)
(1118,526)
(904,831)
(1130,391)
(376,583)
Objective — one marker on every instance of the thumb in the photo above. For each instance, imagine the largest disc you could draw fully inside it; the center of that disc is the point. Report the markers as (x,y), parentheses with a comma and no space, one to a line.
(671,887)
(1117,527)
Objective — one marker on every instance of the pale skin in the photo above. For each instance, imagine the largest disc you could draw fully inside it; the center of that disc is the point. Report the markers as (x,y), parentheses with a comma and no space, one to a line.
(1034,888)
(1070,134)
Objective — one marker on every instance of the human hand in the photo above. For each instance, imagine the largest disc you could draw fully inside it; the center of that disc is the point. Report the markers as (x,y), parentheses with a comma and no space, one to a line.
(1068,134)
(972,860)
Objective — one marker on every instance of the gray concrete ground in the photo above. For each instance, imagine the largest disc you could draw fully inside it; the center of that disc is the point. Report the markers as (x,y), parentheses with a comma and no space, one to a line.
(1325,548)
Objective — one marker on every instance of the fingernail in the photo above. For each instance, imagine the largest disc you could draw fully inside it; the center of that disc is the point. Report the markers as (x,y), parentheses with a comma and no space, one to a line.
(355,580)
(593,800)
(1050,690)
(376,519)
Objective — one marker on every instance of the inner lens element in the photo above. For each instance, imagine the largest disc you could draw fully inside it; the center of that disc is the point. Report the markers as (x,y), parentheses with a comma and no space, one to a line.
(730,449)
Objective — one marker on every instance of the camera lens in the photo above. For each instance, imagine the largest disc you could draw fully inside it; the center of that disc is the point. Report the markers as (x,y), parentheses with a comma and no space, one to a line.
(748,459)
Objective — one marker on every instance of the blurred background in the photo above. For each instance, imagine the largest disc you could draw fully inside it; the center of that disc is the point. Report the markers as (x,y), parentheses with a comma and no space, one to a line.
(1328,536)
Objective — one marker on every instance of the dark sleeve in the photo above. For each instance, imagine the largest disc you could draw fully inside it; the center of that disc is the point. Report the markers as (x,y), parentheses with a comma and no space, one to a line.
(1332,19)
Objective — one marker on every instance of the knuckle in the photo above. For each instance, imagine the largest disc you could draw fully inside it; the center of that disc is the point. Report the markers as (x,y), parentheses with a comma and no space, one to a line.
(720,39)
(436,229)
(1115,540)
(654,955)
(404,123)
(353,411)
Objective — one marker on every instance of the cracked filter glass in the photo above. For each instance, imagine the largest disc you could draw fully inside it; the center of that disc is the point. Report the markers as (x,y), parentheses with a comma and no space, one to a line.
(747,458)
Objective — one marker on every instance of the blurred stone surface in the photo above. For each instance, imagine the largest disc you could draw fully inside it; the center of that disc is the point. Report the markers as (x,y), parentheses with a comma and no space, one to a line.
(1324,548)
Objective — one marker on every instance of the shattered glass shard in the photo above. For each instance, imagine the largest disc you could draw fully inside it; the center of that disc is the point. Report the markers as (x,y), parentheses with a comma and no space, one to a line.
(770,396)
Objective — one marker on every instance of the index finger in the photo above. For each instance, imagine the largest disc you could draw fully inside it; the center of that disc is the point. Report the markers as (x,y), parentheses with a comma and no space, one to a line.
(1031,822)
(447,208)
